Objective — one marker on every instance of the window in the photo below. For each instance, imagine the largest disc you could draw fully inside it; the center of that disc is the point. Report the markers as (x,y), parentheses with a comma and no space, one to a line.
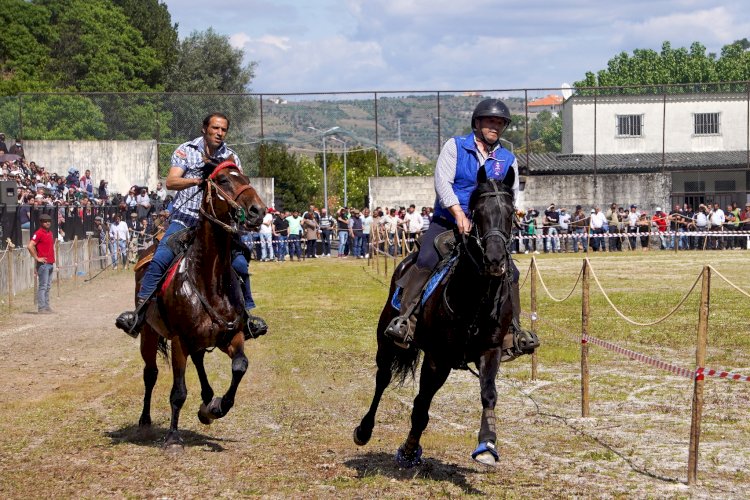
(629,125)
(727,185)
(706,123)
(695,186)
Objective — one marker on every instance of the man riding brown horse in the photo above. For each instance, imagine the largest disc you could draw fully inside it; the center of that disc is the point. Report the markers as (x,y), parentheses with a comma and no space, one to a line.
(192,162)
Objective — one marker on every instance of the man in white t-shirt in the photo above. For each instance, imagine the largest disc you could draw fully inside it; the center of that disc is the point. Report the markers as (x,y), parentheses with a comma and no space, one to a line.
(717,219)
(118,238)
(598,221)
(266,236)
(412,223)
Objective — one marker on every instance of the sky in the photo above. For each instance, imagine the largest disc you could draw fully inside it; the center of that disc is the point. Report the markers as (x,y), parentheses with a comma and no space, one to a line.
(392,45)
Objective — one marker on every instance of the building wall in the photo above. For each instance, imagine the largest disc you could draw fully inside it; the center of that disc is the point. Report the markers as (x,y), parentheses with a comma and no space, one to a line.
(401,191)
(121,163)
(669,128)
(645,190)
(264,186)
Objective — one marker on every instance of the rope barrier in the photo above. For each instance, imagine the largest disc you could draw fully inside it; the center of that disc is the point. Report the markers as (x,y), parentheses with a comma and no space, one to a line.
(575,285)
(528,272)
(743,292)
(633,322)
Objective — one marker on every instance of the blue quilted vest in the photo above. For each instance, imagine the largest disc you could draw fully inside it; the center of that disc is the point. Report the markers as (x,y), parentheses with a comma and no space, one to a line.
(467,166)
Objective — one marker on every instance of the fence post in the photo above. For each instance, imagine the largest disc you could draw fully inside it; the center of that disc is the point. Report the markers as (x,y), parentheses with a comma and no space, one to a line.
(585,312)
(700,362)
(9,253)
(57,267)
(89,254)
(533,314)
(74,253)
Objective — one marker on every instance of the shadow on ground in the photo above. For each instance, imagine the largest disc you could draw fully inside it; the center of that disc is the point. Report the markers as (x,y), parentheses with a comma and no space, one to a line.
(154,437)
(384,464)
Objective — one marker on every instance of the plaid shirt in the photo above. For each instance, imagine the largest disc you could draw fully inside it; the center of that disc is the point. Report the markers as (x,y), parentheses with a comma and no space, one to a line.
(189,157)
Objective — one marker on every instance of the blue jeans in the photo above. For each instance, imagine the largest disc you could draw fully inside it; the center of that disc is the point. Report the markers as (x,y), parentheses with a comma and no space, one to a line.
(580,236)
(119,248)
(266,248)
(551,243)
(295,248)
(44,273)
(343,237)
(281,249)
(357,251)
(164,256)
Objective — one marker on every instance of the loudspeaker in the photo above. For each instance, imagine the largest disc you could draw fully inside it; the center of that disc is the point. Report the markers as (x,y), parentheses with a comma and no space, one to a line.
(8,193)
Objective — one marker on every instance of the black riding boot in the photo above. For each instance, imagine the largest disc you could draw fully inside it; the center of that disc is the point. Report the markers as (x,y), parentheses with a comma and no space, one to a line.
(131,321)
(401,328)
(518,341)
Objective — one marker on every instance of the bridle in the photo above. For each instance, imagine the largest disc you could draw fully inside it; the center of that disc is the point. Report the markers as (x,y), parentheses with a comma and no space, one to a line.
(237,215)
(494,232)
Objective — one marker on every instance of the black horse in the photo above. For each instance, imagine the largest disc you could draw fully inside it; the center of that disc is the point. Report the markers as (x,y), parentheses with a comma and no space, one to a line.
(201,304)
(462,321)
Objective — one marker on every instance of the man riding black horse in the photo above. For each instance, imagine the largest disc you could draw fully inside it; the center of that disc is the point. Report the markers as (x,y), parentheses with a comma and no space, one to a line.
(455,180)
(191,164)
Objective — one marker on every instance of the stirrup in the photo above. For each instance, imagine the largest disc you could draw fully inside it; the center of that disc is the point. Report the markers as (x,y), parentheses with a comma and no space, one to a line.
(398,331)
(131,322)
(255,327)
(524,341)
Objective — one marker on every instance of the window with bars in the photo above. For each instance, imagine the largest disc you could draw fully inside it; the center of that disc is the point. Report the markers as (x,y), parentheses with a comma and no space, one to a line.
(725,185)
(695,186)
(629,125)
(706,123)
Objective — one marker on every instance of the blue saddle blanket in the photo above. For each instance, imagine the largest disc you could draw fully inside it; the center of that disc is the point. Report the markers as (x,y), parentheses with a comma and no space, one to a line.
(432,284)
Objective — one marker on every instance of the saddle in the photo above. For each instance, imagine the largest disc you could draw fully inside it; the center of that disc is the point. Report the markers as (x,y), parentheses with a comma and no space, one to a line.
(178,242)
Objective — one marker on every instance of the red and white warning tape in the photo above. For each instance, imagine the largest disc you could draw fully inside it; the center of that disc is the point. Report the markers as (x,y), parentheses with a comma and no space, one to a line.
(701,372)
(625,234)
(663,365)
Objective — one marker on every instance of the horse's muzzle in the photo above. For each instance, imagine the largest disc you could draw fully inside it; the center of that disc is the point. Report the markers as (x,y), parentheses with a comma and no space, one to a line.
(254,217)
(495,269)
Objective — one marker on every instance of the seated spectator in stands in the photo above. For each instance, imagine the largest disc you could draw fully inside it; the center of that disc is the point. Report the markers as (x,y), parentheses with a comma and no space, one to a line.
(72,179)
(3,146)
(143,203)
(17,148)
(161,193)
(103,190)
(131,201)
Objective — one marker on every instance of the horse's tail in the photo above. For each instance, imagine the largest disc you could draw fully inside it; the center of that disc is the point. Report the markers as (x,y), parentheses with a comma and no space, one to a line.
(404,363)
(162,347)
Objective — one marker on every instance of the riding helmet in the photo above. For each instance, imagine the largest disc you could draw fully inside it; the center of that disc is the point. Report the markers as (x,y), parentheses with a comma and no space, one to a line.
(490,107)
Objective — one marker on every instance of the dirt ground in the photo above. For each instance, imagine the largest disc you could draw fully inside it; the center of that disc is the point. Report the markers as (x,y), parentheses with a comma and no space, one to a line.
(72,391)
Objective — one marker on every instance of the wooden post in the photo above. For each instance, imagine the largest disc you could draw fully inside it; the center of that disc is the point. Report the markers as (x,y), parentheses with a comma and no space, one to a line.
(74,253)
(534,316)
(57,268)
(10,278)
(89,253)
(700,362)
(585,312)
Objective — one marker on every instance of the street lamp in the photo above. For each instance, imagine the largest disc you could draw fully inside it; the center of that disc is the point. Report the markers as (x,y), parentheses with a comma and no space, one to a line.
(323,134)
(346,197)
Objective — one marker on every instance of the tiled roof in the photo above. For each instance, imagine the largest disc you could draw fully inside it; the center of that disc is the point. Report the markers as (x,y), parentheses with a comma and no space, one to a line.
(550,100)
(556,163)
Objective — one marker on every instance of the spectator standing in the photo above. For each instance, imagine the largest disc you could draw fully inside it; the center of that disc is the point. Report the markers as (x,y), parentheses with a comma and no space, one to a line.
(413,224)
(326,228)
(717,219)
(17,148)
(3,146)
(565,220)
(366,231)
(266,236)
(355,232)
(597,223)
(42,249)
(118,240)
(310,228)
(659,219)
(426,219)
(390,225)
(745,226)
(87,184)
(280,234)
(552,226)
(614,222)
(529,223)
(632,221)
(701,225)
(342,227)
(295,230)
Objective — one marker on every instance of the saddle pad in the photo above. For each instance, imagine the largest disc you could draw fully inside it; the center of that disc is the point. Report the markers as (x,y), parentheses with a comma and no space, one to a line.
(432,284)
(170,275)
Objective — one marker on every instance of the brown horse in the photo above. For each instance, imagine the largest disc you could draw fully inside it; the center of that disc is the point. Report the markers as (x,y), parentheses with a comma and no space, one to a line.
(201,305)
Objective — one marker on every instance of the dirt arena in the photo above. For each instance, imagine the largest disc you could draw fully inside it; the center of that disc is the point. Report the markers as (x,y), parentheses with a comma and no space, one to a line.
(72,391)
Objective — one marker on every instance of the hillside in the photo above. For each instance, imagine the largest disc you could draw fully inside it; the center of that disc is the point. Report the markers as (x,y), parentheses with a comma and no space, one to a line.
(407,125)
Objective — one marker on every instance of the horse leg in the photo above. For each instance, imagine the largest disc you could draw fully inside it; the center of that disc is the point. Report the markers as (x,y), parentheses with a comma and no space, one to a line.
(150,372)
(221,406)
(207,392)
(432,377)
(383,359)
(486,452)
(179,391)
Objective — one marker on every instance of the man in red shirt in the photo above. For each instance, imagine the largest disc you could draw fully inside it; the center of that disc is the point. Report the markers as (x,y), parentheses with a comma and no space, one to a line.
(42,248)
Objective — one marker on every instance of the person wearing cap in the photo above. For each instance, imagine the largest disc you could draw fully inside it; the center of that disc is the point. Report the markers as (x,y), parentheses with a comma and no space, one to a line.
(551,228)
(455,180)
(42,249)
(280,234)
(659,219)
(187,176)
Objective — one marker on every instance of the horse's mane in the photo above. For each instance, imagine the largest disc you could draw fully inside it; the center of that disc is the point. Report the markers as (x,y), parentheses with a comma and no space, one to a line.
(487,187)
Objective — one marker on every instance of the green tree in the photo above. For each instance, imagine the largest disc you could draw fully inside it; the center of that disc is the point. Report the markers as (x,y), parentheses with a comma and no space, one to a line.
(152,19)
(97,49)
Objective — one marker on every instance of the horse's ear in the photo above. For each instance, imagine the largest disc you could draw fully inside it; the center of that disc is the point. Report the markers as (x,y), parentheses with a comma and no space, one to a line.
(510,178)
(233,159)
(481,175)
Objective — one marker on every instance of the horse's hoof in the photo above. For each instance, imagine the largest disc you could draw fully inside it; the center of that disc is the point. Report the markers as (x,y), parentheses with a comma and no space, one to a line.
(407,461)
(203,415)
(486,453)
(144,422)
(174,442)
(486,458)
(361,440)
(214,408)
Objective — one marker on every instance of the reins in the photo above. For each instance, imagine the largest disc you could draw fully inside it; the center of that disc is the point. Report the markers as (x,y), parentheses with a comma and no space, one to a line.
(231,201)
